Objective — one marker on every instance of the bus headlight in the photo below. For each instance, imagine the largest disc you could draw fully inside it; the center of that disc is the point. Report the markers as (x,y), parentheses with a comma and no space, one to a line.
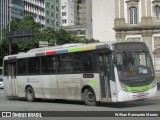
(124,87)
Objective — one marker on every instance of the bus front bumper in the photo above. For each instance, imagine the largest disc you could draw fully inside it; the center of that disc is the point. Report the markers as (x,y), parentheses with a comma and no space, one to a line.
(126,96)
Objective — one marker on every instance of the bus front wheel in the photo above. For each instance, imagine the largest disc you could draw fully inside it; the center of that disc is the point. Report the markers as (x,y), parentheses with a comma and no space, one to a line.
(89,97)
(30,96)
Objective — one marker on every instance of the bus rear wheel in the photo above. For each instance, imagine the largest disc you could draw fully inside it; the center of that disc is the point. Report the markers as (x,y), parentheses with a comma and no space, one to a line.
(30,96)
(89,97)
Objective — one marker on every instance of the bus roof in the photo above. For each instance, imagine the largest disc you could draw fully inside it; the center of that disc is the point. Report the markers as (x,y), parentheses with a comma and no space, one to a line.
(66,48)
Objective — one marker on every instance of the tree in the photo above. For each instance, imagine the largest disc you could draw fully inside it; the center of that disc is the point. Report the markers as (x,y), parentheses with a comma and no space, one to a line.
(53,37)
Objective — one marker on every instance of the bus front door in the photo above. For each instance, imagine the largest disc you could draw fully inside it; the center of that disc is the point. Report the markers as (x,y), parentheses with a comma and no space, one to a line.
(104,75)
(12,78)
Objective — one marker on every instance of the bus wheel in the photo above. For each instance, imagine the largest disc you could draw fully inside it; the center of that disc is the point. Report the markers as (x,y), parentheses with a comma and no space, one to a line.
(30,96)
(89,97)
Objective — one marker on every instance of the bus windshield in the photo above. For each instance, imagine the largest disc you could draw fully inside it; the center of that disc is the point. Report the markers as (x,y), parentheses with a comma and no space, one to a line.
(134,64)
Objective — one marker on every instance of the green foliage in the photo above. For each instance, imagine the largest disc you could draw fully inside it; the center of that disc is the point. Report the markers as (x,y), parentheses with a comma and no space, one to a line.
(53,37)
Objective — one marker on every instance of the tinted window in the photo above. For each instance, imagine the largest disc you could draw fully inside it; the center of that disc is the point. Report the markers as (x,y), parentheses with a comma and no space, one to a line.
(48,64)
(0,71)
(22,67)
(65,63)
(75,62)
(5,68)
(86,60)
(34,66)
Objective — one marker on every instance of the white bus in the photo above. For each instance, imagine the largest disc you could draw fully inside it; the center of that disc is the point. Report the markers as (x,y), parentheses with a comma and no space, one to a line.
(97,72)
(1,78)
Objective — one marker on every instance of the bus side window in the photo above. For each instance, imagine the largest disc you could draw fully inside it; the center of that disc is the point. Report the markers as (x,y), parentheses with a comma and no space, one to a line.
(48,64)
(87,62)
(5,68)
(34,66)
(66,63)
(22,67)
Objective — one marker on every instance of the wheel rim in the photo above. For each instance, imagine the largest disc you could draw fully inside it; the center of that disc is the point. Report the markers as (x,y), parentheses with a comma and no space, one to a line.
(90,97)
(30,94)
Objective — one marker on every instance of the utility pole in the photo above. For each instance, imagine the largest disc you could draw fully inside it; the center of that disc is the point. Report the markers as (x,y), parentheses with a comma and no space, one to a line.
(10,8)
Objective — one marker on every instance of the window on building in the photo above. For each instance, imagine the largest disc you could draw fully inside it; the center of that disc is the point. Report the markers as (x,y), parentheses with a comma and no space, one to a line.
(57,24)
(157,10)
(52,14)
(63,13)
(57,16)
(133,15)
(47,20)
(52,21)
(52,6)
(63,7)
(64,21)
(47,12)
(57,9)
(78,32)
(47,4)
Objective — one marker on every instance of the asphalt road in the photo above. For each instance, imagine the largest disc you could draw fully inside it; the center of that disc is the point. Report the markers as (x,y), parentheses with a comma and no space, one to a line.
(20,104)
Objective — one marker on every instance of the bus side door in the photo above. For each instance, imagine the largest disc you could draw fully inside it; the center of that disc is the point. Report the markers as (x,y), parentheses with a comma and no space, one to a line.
(12,78)
(104,71)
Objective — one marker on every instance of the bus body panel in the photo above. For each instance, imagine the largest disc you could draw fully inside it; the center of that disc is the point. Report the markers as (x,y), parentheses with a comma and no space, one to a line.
(113,90)
(55,86)
(126,96)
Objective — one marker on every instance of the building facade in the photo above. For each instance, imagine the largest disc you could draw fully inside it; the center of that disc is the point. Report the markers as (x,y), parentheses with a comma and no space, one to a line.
(98,19)
(17,10)
(68,12)
(10,10)
(139,20)
(53,14)
(103,15)
(45,12)
(84,16)
(4,15)
(37,9)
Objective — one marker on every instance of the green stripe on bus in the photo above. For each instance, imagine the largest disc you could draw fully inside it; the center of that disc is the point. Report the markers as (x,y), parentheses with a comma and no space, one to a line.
(74,50)
(93,82)
(139,89)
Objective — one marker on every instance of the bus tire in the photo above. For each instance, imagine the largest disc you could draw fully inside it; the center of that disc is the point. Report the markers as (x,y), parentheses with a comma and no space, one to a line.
(30,95)
(89,97)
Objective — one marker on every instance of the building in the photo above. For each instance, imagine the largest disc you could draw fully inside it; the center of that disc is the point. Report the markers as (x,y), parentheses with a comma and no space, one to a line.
(4,15)
(84,16)
(139,20)
(10,10)
(103,15)
(68,12)
(97,17)
(37,9)
(53,14)
(45,12)
(17,10)
(78,30)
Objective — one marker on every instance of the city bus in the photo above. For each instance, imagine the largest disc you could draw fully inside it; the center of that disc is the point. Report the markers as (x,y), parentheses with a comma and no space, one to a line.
(1,78)
(92,73)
